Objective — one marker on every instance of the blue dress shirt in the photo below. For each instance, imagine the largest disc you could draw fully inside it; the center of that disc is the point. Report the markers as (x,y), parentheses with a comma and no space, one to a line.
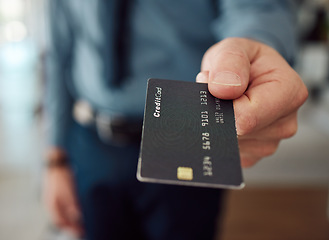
(104,51)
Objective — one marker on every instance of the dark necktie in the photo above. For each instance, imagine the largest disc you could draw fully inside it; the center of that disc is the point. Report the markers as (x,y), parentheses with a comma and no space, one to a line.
(113,16)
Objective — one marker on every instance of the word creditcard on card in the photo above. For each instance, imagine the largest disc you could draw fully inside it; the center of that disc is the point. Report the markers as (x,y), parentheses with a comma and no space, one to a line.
(189,137)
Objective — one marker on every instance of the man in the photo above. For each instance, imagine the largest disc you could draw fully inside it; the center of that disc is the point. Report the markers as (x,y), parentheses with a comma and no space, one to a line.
(102,53)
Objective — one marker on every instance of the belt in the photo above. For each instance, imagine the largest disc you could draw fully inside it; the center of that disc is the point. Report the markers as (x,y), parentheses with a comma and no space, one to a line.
(115,130)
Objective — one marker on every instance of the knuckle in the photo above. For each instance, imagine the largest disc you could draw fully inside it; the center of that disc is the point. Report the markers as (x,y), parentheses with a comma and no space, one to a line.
(246,124)
(269,149)
(231,41)
(232,47)
(235,52)
(248,161)
(302,93)
(289,131)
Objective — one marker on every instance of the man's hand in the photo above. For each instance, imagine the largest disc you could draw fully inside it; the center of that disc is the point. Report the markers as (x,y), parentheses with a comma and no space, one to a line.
(59,195)
(267,93)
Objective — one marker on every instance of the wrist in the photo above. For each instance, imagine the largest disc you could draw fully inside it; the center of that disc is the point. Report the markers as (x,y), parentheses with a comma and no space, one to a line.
(56,158)
(58,163)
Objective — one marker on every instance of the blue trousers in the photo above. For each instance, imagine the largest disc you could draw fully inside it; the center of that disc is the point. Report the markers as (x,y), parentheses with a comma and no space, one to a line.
(116,206)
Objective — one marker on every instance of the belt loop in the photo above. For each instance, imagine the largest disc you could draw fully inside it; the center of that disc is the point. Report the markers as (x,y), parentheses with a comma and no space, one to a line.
(104,127)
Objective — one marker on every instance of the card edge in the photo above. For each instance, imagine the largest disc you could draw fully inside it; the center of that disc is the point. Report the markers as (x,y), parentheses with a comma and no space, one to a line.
(173,182)
(183,183)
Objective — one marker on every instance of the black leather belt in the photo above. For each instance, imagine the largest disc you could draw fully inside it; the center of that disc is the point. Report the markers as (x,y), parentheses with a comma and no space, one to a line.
(112,130)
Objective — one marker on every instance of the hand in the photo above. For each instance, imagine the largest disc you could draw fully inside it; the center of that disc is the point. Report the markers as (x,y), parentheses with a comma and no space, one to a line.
(267,93)
(59,196)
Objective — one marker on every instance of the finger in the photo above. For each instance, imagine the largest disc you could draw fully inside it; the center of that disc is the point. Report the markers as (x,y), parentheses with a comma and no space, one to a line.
(73,215)
(76,230)
(58,215)
(275,93)
(283,128)
(67,219)
(228,64)
(251,151)
(258,148)
(248,160)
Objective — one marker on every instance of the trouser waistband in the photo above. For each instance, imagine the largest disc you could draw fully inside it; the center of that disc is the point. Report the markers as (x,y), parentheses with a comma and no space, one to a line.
(117,130)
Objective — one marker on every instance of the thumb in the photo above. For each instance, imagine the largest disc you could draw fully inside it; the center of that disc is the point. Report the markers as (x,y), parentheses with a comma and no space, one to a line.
(73,213)
(226,66)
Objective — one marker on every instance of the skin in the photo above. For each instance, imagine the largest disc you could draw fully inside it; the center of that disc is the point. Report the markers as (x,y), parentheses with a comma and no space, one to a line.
(266,91)
(60,197)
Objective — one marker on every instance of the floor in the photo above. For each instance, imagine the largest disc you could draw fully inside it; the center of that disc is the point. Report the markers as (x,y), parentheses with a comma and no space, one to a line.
(276,213)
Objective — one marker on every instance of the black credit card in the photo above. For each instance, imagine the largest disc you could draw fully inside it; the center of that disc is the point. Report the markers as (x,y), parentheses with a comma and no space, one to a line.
(189,137)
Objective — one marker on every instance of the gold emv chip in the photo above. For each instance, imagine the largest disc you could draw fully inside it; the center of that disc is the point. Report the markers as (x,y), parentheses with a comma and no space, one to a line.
(185,173)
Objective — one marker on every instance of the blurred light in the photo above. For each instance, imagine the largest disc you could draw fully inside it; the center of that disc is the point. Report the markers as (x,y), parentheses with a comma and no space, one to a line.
(15,31)
(14,56)
(11,9)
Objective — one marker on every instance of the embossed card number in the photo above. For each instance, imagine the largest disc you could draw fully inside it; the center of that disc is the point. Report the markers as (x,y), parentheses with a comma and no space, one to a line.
(189,137)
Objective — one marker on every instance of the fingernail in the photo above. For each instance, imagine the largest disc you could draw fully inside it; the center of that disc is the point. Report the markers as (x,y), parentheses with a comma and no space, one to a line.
(202,77)
(227,79)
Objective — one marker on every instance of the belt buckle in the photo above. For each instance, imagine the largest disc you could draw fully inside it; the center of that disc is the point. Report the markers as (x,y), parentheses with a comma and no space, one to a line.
(83,113)
(104,127)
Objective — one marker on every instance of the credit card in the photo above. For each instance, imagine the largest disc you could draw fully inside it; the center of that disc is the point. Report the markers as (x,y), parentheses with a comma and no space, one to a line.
(189,137)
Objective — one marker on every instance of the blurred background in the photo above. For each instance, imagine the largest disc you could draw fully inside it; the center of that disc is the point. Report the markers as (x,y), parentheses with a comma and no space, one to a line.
(286,195)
